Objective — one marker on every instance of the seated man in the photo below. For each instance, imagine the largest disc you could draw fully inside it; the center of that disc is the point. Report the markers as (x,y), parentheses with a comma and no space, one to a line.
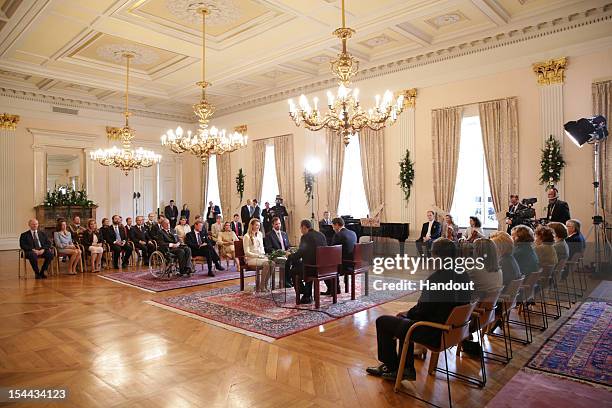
(430,231)
(347,239)
(35,244)
(306,254)
(155,228)
(150,220)
(76,229)
(116,238)
(236,226)
(276,240)
(433,305)
(201,245)
(168,242)
(139,235)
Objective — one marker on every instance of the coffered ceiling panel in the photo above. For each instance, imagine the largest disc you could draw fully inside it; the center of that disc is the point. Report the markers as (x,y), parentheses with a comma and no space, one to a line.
(256,49)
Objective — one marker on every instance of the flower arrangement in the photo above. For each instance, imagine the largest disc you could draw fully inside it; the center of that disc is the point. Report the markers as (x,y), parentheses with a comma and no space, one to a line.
(240,183)
(277,253)
(551,163)
(406,175)
(67,195)
(309,180)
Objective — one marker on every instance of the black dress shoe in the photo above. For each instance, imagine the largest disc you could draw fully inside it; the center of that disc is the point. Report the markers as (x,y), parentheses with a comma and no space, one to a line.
(42,275)
(125,265)
(116,266)
(305,300)
(38,276)
(219,267)
(326,293)
(210,273)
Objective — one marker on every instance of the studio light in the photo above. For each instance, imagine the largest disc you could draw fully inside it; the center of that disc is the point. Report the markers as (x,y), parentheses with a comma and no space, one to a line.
(586,130)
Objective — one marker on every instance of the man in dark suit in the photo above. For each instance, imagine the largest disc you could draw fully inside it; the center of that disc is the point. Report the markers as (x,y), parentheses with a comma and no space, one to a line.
(515,207)
(430,231)
(171,212)
(326,220)
(433,305)
(35,244)
(276,239)
(347,239)
(211,214)
(306,254)
(201,245)
(168,242)
(155,228)
(280,211)
(128,225)
(246,212)
(116,238)
(256,210)
(76,229)
(151,220)
(139,235)
(237,226)
(266,215)
(557,210)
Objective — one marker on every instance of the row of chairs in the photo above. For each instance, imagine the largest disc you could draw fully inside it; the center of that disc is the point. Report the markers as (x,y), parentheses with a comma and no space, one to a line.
(525,295)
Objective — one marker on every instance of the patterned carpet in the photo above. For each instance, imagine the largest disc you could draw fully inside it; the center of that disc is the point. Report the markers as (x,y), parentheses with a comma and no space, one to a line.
(532,389)
(145,281)
(257,315)
(582,347)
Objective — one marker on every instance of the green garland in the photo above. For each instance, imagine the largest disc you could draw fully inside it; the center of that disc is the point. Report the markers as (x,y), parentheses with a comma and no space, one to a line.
(309,180)
(406,175)
(65,196)
(240,183)
(551,162)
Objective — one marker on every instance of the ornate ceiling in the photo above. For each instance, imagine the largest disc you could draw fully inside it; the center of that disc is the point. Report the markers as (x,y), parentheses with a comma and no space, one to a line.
(256,49)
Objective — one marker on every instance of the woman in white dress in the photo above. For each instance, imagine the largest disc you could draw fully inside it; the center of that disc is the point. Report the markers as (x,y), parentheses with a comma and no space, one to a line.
(182,229)
(254,252)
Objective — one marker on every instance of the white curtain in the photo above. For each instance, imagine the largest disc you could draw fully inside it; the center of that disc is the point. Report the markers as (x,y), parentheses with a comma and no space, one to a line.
(372,149)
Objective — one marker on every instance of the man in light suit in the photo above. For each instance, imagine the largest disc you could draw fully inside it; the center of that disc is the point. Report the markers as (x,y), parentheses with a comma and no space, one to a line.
(347,239)
(171,212)
(35,244)
(211,213)
(430,231)
(246,213)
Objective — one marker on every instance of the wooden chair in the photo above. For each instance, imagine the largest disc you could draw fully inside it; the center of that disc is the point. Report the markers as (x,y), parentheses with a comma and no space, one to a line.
(363,254)
(241,265)
(454,331)
(57,258)
(328,266)
(24,260)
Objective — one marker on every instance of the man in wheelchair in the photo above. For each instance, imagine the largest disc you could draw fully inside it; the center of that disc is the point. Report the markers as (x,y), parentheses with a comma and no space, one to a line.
(169,245)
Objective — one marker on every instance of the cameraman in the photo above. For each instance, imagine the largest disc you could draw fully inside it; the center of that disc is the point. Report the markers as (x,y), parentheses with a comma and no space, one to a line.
(512,218)
(557,210)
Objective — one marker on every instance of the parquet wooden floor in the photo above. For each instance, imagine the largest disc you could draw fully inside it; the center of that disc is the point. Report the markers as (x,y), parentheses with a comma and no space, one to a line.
(99,339)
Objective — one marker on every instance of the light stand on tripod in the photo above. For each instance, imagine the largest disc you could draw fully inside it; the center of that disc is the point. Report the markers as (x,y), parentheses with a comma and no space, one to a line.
(594,131)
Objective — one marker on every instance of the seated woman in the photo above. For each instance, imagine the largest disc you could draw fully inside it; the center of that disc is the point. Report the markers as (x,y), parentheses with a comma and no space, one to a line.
(451,230)
(544,240)
(474,231)
(254,252)
(486,275)
(560,246)
(225,241)
(92,241)
(216,228)
(507,263)
(182,229)
(65,246)
(523,251)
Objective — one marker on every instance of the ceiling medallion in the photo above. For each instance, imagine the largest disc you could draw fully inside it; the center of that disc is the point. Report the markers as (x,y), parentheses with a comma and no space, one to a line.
(446,19)
(116,52)
(206,141)
(344,114)
(221,12)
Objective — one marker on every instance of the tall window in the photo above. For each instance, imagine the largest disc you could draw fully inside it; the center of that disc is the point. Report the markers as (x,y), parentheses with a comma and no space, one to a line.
(212,194)
(472,193)
(269,188)
(352,192)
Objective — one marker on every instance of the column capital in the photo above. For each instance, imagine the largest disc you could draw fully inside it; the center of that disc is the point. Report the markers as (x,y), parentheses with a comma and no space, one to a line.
(8,121)
(409,97)
(551,71)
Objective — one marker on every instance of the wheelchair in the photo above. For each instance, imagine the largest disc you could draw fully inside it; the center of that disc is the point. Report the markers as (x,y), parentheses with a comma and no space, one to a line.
(164,265)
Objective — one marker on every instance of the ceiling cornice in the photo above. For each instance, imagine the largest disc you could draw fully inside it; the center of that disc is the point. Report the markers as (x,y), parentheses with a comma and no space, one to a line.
(54,100)
(508,38)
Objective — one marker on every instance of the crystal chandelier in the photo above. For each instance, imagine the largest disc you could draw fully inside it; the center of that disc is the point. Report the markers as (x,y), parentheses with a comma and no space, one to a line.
(205,142)
(345,114)
(125,158)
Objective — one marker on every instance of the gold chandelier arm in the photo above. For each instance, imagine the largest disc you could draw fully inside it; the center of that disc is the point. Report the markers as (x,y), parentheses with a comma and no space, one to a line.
(343,16)
(127,87)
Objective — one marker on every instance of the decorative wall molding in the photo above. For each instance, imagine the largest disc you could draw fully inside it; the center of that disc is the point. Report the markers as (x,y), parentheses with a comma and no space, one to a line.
(409,97)
(8,233)
(53,100)
(8,121)
(551,71)
(512,37)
